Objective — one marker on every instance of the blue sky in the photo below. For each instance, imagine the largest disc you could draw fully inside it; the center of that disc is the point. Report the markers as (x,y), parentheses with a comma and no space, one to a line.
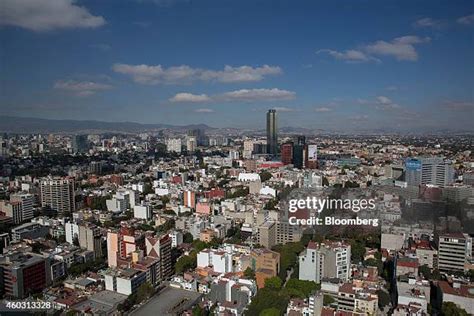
(335,65)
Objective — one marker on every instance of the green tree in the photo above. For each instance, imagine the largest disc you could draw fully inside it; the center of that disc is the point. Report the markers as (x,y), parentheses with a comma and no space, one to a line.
(273,283)
(357,251)
(144,292)
(425,271)
(185,263)
(384,298)
(451,309)
(249,273)
(270,312)
(267,298)
(328,300)
(301,288)
(265,176)
(188,238)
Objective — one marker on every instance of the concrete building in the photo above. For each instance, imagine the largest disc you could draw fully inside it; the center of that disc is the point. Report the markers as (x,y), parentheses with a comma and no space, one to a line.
(191,144)
(432,170)
(454,251)
(124,281)
(325,260)
(90,238)
(219,260)
(174,145)
(72,232)
(160,247)
(267,234)
(27,201)
(23,273)
(12,210)
(142,212)
(58,194)
(29,231)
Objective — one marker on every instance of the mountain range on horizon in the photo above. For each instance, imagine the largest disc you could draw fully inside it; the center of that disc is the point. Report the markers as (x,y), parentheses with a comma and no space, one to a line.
(29,125)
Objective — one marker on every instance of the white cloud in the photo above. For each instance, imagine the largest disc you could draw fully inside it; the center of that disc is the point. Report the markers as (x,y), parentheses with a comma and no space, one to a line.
(385,103)
(204,110)
(258,95)
(284,109)
(241,74)
(46,15)
(402,48)
(350,56)
(427,22)
(238,95)
(147,74)
(189,97)
(466,20)
(81,88)
(323,109)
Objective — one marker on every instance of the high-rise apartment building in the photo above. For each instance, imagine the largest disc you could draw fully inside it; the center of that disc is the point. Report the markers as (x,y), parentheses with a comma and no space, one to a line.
(58,194)
(248,148)
(433,170)
(325,260)
(90,238)
(454,252)
(173,145)
(79,144)
(272,133)
(160,247)
(191,143)
(201,138)
(27,200)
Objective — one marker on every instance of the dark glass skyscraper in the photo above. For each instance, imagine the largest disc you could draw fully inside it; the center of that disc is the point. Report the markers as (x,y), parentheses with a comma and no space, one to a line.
(272,136)
(299,152)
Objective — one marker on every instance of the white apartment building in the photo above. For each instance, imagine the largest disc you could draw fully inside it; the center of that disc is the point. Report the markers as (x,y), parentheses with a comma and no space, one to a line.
(329,259)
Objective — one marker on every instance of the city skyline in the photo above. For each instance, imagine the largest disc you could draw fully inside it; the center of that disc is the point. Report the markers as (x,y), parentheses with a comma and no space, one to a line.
(226,64)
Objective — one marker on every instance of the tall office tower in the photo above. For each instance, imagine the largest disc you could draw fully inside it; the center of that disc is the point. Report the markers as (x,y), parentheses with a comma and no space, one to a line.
(272,133)
(58,194)
(191,144)
(79,144)
(200,134)
(325,260)
(90,238)
(27,200)
(174,145)
(433,170)
(3,148)
(300,153)
(286,153)
(454,252)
